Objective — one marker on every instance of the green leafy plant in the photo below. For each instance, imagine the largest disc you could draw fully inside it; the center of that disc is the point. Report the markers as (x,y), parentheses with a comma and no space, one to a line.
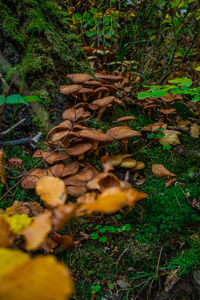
(181,86)
(18,99)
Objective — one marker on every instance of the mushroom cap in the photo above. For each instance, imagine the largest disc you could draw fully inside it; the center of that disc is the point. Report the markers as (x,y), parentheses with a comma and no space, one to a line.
(93,83)
(73,114)
(93,106)
(79,77)
(59,136)
(69,89)
(78,127)
(88,50)
(55,170)
(170,111)
(96,135)
(103,101)
(116,160)
(139,166)
(79,149)
(112,78)
(70,169)
(86,91)
(112,88)
(86,115)
(102,181)
(122,132)
(101,89)
(124,119)
(52,157)
(76,191)
(66,125)
(128,163)
(150,106)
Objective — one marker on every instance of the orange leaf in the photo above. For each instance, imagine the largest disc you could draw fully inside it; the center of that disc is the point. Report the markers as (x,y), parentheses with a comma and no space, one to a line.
(52,191)
(38,230)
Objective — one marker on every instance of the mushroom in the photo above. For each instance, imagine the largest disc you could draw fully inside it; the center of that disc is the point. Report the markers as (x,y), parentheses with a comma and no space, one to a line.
(116,160)
(150,108)
(79,77)
(123,133)
(95,136)
(128,163)
(73,114)
(66,125)
(70,90)
(102,104)
(85,93)
(92,83)
(79,150)
(167,113)
(110,78)
(76,191)
(125,119)
(70,169)
(101,90)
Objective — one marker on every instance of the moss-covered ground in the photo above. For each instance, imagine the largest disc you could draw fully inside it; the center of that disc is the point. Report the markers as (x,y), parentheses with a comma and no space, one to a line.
(139,246)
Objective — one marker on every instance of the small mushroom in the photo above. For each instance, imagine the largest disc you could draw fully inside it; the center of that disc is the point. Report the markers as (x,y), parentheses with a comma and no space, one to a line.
(79,150)
(85,93)
(116,160)
(102,104)
(125,119)
(123,133)
(92,83)
(128,163)
(110,78)
(167,113)
(70,90)
(79,77)
(101,90)
(73,114)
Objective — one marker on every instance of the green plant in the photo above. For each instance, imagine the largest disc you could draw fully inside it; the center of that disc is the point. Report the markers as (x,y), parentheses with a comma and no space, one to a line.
(176,86)
(18,99)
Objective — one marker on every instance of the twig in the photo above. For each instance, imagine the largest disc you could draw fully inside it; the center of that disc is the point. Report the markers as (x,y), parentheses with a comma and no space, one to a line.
(13,127)
(119,258)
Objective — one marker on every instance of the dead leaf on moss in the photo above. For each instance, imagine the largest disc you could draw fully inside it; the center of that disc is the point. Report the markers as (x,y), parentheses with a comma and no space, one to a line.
(194,131)
(161,172)
(170,138)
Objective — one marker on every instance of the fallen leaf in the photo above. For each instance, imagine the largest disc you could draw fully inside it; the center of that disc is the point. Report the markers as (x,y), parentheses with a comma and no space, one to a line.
(42,278)
(160,171)
(18,222)
(194,131)
(170,182)
(38,230)
(52,191)
(6,234)
(65,241)
(170,138)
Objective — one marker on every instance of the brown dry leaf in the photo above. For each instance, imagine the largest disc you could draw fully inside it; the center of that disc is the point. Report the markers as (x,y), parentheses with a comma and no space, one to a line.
(6,234)
(2,164)
(65,241)
(160,171)
(170,182)
(52,191)
(14,162)
(194,131)
(48,245)
(38,230)
(41,278)
(170,138)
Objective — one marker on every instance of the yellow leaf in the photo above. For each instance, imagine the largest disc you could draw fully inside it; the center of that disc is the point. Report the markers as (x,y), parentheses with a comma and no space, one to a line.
(38,230)
(18,222)
(71,10)
(197,69)
(52,191)
(170,138)
(41,278)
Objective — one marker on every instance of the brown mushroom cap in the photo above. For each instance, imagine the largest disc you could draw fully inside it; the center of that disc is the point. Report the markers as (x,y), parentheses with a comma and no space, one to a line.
(52,157)
(103,101)
(139,166)
(55,170)
(93,83)
(66,125)
(111,78)
(124,119)
(103,181)
(88,50)
(79,149)
(128,163)
(112,88)
(76,191)
(96,135)
(79,77)
(73,114)
(59,136)
(69,89)
(122,132)
(170,111)
(101,89)
(29,182)
(70,169)
(87,91)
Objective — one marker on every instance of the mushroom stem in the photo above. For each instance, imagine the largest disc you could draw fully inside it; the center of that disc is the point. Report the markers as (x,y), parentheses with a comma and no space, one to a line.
(100,113)
(80,157)
(99,95)
(125,145)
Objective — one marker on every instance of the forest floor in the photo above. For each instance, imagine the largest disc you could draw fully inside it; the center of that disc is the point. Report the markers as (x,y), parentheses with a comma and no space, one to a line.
(149,252)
